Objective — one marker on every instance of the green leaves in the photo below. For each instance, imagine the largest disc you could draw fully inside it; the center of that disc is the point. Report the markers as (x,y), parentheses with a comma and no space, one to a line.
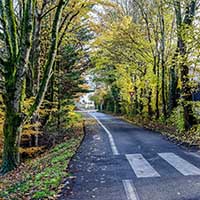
(41,177)
(149,49)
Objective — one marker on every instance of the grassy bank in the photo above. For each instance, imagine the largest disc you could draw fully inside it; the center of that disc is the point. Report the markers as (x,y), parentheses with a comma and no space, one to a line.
(189,138)
(41,178)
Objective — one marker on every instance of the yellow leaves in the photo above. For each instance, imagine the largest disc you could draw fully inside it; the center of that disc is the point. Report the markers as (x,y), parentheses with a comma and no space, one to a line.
(31,132)
(72,118)
(107,3)
(99,95)
(43,111)
(122,41)
(35,125)
(112,31)
(31,151)
(124,82)
(179,85)
(126,22)
(27,103)
(84,86)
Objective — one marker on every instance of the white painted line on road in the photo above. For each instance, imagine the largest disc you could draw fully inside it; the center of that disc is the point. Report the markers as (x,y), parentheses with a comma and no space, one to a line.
(194,154)
(141,166)
(111,140)
(183,166)
(130,190)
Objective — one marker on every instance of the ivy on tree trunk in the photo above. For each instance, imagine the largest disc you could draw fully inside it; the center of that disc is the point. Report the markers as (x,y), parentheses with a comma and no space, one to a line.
(19,48)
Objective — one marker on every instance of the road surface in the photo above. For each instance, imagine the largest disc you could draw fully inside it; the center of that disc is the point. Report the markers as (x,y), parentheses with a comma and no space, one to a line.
(120,161)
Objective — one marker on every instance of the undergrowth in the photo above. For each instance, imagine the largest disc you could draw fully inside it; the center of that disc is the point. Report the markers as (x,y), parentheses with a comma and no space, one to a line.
(40,178)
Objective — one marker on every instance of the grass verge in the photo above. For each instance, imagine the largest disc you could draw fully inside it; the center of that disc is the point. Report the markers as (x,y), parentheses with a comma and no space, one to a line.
(187,139)
(40,178)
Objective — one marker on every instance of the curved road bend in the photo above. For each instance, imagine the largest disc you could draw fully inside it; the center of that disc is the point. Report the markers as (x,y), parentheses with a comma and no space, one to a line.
(120,161)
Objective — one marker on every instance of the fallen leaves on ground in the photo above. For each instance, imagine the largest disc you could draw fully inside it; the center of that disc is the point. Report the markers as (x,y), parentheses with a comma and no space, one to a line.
(40,178)
(190,138)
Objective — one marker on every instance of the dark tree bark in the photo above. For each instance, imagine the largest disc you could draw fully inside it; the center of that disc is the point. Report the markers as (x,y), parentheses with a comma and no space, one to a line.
(15,72)
(157,86)
(162,30)
(19,47)
(182,26)
(150,110)
(173,83)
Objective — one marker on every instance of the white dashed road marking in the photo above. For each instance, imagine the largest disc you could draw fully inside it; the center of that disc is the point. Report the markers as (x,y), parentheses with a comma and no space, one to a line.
(130,190)
(111,140)
(141,166)
(183,166)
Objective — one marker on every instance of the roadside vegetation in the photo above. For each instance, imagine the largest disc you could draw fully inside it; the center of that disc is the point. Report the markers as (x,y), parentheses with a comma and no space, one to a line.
(143,57)
(44,54)
(42,177)
(147,64)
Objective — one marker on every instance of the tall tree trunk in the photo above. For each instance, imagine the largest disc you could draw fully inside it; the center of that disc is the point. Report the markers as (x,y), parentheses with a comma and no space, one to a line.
(15,74)
(115,107)
(35,60)
(15,79)
(135,104)
(12,135)
(50,60)
(157,87)
(149,104)
(173,82)
(182,27)
(162,28)
(141,106)
(163,89)
(59,95)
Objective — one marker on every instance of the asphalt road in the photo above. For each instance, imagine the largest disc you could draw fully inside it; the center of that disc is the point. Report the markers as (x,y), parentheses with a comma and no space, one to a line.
(119,161)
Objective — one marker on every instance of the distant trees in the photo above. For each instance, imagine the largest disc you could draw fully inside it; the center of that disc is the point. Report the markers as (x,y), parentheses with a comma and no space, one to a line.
(150,48)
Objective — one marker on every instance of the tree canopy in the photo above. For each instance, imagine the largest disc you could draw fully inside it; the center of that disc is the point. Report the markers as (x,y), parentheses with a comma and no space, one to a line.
(146,55)
(142,55)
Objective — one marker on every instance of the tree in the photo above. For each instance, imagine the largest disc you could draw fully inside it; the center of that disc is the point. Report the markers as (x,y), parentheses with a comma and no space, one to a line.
(34,38)
(17,38)
(152,49)
(183,24)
